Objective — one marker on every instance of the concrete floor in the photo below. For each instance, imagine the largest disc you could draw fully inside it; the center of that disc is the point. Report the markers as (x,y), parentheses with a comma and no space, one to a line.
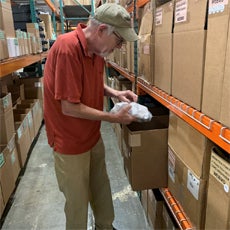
(38,205)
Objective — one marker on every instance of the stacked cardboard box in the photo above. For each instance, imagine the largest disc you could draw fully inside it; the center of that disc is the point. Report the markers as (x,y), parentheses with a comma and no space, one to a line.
(188,167)
(6,18)
(6,118)
(163,46)
(146,46)
(189,43)
(215,79)
(218,203)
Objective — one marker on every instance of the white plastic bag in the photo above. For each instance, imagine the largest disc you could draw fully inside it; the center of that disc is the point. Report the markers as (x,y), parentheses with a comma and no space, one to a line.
(139,111)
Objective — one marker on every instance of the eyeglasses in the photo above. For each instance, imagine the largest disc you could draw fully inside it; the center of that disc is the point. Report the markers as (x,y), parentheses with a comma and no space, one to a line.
(120,40)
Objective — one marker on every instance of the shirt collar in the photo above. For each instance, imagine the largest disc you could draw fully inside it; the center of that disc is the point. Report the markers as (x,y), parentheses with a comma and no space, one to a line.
(81,37)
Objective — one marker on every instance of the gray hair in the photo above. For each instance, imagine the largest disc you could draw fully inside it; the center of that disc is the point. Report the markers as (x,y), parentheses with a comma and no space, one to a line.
(95,23)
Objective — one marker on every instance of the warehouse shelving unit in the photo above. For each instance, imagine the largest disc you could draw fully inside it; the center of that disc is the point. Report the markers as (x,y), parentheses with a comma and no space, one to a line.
(210,128)
(12,64)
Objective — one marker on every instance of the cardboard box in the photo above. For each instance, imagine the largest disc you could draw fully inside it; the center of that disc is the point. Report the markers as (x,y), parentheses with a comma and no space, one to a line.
(218,203)
(144,201)
(6,118)
(6,174)
(145,153)
(6,19)
(146,47)
(189,43)
(23,140)
(188,189)
(163,46)
(33,87)
(225,104)
(190,145)
(215,60)
(155,206)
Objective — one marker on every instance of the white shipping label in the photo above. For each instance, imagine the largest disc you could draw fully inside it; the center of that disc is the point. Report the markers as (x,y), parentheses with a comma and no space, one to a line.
(217,6)
(171,165)
(220,169)
(193,184)
(181,11)
(146,49)
(158,18)
(37,84)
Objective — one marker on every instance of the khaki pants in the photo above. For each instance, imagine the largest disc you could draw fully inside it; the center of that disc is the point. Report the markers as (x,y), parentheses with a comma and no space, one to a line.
(83,178)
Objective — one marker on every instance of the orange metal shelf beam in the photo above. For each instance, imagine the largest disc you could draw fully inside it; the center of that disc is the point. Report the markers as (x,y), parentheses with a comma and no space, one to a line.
(177,211)
(139,3)
(122,71)
(212,129)
(12,64)
(51,6)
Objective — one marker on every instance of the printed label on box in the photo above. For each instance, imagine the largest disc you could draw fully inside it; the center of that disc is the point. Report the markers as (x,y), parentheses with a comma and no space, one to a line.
(217,6)
(2,160)
(158,19)
(220,169)
(181,11)
(193,184)
(38,84)
(146,49)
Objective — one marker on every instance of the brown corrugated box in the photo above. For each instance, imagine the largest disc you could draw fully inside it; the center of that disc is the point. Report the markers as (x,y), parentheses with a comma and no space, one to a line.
(215,62)
(188,189)
(190,145)
(6,173)
(6,118)
(163,46)
(189,42)
(6,19)
(155,206)
(145,153)
(218,203)
(146,47)
(225,102)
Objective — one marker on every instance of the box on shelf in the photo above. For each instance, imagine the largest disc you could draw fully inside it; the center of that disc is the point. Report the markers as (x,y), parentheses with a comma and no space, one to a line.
(145,153)
(218,202)
(155,206)
(189,45)
(3,46)
(6,118)
(6,173)
(6,18)
(215,79)
(25,114)
(190,145)
(146,47)
(163,46)
(23,140)
(225,105)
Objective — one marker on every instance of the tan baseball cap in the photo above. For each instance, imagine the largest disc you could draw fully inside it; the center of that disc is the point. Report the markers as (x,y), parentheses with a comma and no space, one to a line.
(117,16)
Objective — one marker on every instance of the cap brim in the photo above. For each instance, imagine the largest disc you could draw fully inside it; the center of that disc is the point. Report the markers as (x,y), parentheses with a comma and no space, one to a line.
(127,33)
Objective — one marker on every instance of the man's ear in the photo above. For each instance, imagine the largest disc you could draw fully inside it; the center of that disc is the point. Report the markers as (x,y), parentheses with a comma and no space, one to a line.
(102,29)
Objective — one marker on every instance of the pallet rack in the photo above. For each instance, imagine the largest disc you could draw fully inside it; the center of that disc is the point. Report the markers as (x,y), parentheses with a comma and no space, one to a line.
(213,130)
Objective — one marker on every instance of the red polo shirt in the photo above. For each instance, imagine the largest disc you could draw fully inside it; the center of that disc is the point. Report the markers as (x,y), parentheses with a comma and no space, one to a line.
(70,74)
